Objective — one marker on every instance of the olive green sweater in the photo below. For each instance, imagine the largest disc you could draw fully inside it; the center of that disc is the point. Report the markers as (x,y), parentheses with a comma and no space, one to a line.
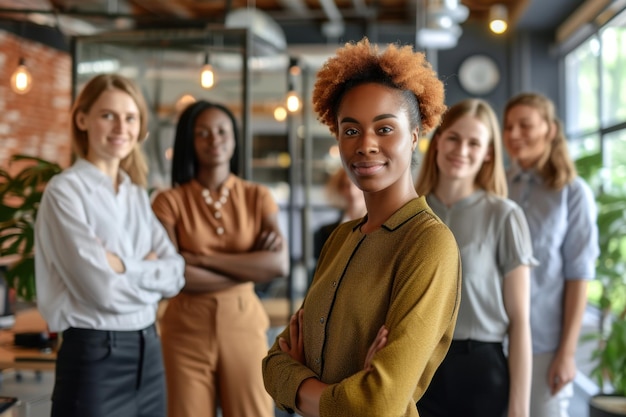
(405,275)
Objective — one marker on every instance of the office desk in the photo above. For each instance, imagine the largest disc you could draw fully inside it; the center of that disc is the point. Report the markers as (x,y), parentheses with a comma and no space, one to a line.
(31,321)
(278,310)
(22,358)
(11,412)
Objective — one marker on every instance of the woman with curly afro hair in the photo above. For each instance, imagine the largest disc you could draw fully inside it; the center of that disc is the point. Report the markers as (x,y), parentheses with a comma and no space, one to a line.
(380,312)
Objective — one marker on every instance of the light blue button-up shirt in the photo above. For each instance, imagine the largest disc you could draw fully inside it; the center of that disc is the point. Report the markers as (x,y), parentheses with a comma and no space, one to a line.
(565,242)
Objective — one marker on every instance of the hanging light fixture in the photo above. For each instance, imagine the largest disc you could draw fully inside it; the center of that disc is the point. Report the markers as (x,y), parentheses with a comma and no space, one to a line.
(183,102)
(207,76)
(293,100)
(294,68)
(498,18)
(21,80)
(280,114)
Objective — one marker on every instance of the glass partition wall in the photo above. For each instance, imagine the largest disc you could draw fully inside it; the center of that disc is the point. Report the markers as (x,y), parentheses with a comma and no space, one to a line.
(293,156)
(167,65)
(249,78)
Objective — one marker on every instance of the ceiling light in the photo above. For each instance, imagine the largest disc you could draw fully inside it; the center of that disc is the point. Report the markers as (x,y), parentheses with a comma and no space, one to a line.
(280,114)
(498,16)
(21,80)
(450,8)
(183,102)
(294,68)
(283,160)
(207,76)
(98,66)
(438,38)
(293,101)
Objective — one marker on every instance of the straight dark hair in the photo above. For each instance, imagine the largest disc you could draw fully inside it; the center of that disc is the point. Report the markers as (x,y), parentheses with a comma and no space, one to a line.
(184,161)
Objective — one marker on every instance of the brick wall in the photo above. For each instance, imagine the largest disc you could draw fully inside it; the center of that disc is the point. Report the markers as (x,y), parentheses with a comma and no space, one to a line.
(36,123)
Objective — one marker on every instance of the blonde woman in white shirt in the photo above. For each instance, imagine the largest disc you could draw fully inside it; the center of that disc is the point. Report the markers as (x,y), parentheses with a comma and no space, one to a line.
(103,262)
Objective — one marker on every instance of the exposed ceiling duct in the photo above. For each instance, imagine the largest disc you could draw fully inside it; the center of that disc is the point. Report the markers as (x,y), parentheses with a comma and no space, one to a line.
(334,28)
(438,26)
(267,35)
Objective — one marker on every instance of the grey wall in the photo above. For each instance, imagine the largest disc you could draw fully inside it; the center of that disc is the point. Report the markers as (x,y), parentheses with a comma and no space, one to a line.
(524,59)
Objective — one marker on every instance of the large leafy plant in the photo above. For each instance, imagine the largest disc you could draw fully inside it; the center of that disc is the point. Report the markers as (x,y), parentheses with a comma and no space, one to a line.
(610,356)
(20,195)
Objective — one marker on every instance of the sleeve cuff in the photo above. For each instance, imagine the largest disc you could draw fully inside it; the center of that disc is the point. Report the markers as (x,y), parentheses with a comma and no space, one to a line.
(136,268)
(131,266)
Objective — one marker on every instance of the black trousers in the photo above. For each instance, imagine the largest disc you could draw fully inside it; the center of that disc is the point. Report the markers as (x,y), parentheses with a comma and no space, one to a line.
(109,374)
(472,381)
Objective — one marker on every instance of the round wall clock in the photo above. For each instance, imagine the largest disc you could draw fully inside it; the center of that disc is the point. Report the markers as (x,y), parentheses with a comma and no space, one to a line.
(479,74)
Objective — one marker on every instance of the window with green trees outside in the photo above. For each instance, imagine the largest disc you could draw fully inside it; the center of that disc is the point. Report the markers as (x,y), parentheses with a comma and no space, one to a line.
(595,123)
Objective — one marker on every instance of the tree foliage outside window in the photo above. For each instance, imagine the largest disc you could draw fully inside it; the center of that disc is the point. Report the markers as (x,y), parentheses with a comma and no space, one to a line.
(613,68)
(583,82)
(596,124)
(595,117)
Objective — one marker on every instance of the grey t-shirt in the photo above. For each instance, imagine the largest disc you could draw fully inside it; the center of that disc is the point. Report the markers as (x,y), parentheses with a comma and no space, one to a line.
(493,237)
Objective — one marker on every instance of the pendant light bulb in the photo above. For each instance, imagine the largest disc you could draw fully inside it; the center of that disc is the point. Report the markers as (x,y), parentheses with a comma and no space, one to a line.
(498,16)
(293,101)
(21,80)
(207,76)
(280,114)
(294,68)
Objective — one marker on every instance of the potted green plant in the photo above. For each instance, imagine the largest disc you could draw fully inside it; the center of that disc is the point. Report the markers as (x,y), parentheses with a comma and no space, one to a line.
(610,355)
(20,195)
(611,370)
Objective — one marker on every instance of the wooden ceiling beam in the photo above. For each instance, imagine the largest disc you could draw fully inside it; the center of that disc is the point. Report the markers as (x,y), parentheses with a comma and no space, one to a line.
(586,13)
(165,8)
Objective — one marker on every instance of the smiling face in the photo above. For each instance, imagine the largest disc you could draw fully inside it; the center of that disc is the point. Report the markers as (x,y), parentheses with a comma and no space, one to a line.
(527,135)
(375,138)
(112,125)
(214,138)
(462,148)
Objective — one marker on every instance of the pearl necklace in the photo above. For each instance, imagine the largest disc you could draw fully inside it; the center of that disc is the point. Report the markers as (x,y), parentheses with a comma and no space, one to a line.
(216,205)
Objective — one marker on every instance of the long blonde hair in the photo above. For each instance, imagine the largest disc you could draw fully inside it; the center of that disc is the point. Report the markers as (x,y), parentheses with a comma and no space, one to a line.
(491,176)
(135,163)
(555,166)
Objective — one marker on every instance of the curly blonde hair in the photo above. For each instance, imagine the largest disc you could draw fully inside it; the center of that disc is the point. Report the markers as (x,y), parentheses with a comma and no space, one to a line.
(397,67)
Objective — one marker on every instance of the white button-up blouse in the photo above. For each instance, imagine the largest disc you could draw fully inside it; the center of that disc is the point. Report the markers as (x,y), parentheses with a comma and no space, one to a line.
(79,220)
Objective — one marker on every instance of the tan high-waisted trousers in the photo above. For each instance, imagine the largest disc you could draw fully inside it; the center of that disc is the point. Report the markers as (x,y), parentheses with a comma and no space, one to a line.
(213,345)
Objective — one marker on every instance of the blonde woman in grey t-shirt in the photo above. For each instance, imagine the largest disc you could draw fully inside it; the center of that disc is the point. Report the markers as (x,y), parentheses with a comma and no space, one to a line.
(463,178)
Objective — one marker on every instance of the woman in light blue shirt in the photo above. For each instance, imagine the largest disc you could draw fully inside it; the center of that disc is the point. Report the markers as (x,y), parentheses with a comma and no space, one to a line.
(462,176)
(103,262)
(561,214)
